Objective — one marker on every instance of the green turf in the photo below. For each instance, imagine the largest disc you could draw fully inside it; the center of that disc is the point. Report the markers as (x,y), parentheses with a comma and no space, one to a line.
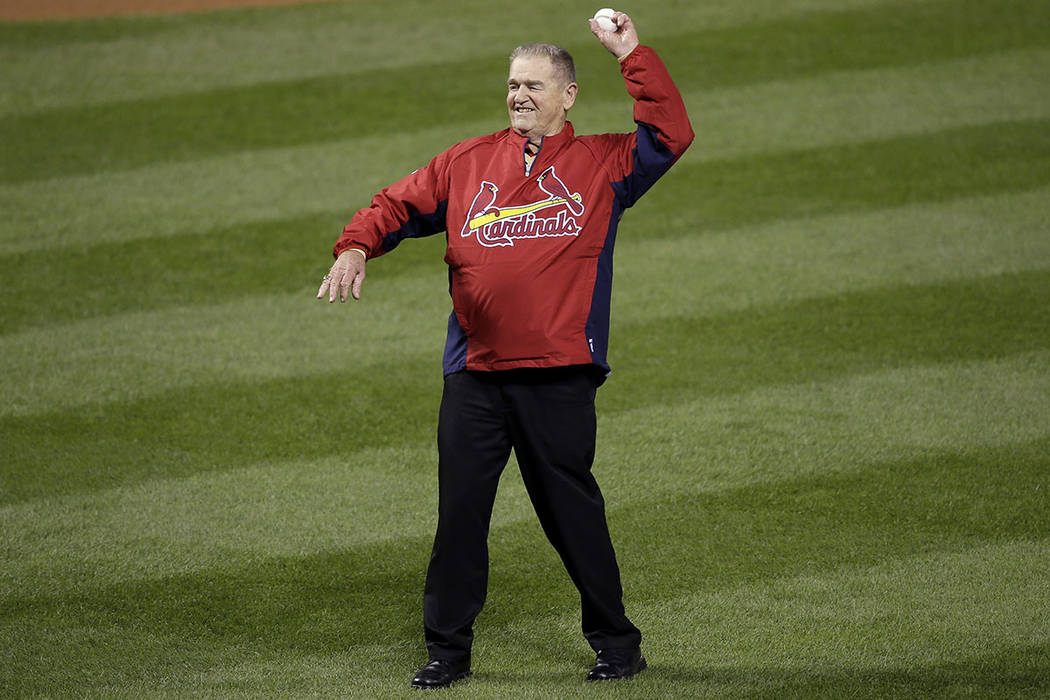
(135,132)
(824,446)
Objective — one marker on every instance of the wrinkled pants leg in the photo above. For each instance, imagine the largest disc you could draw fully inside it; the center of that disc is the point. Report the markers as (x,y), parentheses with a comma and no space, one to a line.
(473,446)
(553,427)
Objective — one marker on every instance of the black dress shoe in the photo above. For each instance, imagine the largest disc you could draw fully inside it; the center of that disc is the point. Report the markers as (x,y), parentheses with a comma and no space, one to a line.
(617,663)
(439,673)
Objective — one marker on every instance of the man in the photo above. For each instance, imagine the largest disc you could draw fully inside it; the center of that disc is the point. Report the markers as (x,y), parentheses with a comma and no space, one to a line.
(531,214)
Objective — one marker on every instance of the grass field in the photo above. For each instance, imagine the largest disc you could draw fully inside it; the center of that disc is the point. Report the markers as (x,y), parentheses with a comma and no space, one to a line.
(825,445)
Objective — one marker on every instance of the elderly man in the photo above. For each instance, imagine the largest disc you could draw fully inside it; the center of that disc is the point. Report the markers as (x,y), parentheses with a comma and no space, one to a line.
(530,214)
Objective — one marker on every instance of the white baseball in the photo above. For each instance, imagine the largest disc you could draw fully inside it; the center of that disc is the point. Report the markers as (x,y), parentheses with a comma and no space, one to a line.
(604,18)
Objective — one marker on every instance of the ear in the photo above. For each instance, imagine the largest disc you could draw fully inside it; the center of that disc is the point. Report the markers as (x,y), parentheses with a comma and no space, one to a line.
(569,96)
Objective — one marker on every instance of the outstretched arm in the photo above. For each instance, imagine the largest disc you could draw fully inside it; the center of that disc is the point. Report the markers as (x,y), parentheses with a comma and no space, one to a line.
(412,207)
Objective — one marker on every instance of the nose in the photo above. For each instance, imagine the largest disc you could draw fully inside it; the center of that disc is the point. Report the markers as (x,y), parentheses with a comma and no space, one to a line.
(518,93)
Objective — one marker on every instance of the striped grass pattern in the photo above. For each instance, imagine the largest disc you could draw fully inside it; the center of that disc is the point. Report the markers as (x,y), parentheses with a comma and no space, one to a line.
(825,446)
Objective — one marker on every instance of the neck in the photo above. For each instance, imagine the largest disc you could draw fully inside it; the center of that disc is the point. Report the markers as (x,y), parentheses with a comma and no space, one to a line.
(534,138)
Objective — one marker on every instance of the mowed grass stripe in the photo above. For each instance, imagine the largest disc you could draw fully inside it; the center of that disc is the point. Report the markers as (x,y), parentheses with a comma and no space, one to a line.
(133,133)
(947,624)
(170,525)
(837,335)
(133,356)
(864,105)
(238,423)
(935,166)
(193,269)
(256,259)
(61,64)
(713,443)
(826,255)
(913,505)
(360,595)
(205,194)
(202,195)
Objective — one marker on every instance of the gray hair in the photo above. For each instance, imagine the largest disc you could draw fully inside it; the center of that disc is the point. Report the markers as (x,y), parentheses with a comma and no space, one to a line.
(564,68)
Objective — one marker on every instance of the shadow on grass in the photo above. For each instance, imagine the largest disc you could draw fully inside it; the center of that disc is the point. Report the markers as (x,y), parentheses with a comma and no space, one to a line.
(368,598)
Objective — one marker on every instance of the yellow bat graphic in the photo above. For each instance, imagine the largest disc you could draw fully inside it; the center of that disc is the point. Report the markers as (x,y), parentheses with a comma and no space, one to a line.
(509,212)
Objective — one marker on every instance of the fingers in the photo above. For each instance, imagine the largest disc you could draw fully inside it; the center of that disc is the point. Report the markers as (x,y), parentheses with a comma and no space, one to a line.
(343,287)
(348,281)
(621,19)
(355,287)
(337,282)
(620,42)
(353,277)
(323,289)
(330,283)
(344,279)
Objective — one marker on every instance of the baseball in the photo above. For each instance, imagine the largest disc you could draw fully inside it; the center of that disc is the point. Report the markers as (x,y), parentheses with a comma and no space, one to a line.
(604,18)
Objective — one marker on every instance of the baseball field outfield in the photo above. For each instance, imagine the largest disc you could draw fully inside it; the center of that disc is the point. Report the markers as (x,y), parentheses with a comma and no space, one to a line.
(825,446)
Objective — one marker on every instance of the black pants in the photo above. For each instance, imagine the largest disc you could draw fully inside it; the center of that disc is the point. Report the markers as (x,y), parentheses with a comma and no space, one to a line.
(547,417)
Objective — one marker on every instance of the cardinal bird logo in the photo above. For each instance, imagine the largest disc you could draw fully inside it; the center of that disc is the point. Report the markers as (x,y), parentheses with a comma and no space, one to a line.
(502,226)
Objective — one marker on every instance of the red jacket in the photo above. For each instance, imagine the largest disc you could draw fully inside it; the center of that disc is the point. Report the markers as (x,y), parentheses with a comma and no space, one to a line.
(530,252)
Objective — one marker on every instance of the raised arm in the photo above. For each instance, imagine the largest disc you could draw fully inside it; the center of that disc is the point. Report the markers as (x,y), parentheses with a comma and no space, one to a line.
(664,131)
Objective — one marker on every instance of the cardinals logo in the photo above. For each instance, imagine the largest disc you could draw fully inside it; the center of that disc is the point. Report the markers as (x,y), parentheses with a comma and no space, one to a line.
(502,226)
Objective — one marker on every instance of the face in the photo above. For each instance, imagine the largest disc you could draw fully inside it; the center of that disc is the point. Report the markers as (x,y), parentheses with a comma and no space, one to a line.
(536,99)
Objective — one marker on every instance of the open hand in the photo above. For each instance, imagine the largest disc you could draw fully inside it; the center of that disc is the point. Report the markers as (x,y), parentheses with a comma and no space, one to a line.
(345,277)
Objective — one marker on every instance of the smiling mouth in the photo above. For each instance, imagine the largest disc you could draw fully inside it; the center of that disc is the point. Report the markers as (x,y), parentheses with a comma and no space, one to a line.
(523,110)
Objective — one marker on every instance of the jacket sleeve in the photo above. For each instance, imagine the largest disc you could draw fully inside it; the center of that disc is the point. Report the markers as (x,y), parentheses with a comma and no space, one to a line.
(663,133)
(412,207)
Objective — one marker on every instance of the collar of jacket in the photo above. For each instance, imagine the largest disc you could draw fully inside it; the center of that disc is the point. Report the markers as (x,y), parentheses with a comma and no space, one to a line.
(550,144)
